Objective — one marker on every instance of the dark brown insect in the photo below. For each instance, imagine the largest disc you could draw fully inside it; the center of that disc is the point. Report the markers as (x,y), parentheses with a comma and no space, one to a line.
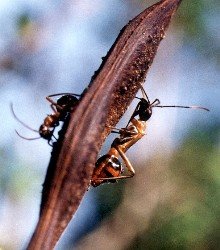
(108,168)
(61,108)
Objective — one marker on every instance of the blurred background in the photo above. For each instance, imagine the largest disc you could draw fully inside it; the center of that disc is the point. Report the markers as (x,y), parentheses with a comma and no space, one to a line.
(173,202)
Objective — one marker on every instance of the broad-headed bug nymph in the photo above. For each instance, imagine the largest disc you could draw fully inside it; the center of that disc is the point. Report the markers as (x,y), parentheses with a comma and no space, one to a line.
(61,108)
(108,168)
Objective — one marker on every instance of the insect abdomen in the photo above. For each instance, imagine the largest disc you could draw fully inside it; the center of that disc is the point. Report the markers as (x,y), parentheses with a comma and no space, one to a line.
(106,166)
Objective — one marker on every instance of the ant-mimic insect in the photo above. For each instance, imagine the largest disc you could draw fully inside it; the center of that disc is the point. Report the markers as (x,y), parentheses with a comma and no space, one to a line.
(61,108)
(108,168)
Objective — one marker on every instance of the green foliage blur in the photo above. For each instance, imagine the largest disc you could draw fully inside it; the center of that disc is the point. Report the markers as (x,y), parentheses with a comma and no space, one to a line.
(190,220)
(193,18)
(189,217)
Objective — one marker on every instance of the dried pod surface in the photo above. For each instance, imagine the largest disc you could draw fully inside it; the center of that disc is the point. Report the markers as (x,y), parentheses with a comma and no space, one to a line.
(111,90)
(126,65)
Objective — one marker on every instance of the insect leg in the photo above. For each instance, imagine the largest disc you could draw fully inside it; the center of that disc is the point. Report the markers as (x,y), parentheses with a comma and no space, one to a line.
(114,129)
(134,113)
(53,103)
(126,161)
(127,164)
(53,108)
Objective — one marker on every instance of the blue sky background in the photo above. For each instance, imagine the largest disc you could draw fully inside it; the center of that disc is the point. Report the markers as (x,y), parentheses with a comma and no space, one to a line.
(48,47)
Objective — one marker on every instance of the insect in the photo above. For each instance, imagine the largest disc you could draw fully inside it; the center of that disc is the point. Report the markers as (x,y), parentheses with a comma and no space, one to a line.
(61,108)
(108,168)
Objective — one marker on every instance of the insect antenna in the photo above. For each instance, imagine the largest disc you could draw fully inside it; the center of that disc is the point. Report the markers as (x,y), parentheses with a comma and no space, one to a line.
(29,139)
(20,121)
(54,137)
(177,106)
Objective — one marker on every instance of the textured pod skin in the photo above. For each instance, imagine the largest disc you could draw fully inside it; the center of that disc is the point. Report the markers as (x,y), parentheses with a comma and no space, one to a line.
(111,90)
